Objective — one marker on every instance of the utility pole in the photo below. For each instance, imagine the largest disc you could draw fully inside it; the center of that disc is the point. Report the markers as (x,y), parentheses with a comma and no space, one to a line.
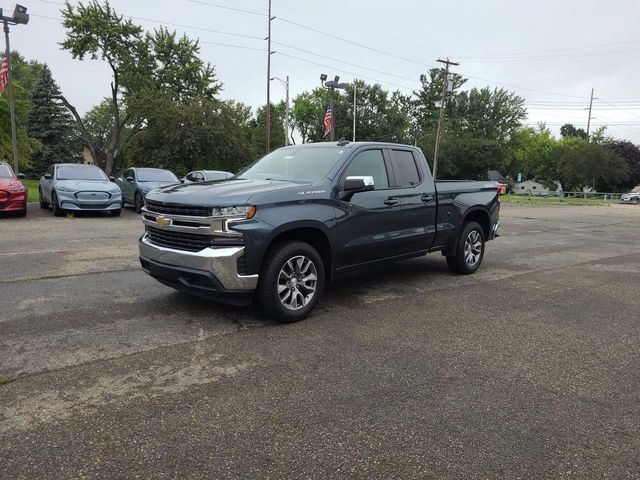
(267,120)
(285,84)
(445,84)
(589,119)
(355,89)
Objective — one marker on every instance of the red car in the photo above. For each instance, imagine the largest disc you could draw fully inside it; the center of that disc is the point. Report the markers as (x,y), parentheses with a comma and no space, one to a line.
(13,195)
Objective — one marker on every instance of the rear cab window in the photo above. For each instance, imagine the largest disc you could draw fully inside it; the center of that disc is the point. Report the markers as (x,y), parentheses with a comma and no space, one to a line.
(405,168)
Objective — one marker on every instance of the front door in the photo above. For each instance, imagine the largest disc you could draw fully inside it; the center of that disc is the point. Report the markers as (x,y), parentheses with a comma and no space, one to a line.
(367,223)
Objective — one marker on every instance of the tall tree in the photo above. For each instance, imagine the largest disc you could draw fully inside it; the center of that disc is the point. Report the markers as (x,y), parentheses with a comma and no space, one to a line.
(49,122)
(586,164)
(141,65)
(631,154)
(568,130)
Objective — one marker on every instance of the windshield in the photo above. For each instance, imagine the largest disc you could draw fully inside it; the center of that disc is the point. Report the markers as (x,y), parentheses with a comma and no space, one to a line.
(80,172)
(296,164)
(156,176)
(6,172)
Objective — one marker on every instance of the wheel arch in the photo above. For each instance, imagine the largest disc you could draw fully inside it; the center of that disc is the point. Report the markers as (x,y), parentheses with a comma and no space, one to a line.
(311,233)
(480,216)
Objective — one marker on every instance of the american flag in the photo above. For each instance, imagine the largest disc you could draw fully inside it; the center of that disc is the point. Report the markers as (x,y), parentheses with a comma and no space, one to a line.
(327,121)
(4,74)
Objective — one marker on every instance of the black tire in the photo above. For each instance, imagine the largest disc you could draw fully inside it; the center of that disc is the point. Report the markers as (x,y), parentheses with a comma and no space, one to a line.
(57,211)
(273,274)
(138,202)
(116,213)
(22,213)
(44,205)
(469,250)
(636,201)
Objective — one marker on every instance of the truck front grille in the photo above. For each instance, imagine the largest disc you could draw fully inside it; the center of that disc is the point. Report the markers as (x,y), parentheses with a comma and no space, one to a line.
(178,240)
(186,210)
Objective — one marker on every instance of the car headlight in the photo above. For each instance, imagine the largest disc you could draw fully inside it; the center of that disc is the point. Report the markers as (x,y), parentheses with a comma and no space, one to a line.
(244,211)
(65,189)
(17,189)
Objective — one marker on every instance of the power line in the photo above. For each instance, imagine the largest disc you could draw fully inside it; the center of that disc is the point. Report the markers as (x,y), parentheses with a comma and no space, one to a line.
(224,7)
(626,42)
(356,75)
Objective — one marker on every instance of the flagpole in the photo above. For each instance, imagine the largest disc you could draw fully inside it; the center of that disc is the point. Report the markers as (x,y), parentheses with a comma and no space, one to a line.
(12,108)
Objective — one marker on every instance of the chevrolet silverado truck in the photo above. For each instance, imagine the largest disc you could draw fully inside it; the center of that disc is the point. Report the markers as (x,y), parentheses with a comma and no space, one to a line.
(288,224)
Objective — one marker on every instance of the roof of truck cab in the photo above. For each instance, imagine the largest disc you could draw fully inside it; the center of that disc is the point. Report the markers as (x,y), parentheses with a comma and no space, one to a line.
(349,144)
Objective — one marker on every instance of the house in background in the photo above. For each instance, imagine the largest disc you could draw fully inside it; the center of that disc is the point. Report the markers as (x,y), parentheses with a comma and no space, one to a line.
(530,187)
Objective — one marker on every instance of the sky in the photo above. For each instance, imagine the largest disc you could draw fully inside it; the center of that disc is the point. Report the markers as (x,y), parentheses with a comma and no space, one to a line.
(552,53)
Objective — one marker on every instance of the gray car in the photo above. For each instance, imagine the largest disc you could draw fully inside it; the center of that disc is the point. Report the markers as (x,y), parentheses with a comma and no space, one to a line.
(72,186)
(135,183)
(206,176)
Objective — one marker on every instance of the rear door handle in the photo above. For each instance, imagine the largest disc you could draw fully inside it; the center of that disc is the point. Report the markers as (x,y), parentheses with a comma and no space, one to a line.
(427,198)
(391,201)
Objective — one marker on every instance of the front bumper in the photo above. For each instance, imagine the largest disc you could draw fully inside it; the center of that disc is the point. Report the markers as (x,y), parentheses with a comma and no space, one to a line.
(13,201)
(210,273)
(70,201)
(629,200)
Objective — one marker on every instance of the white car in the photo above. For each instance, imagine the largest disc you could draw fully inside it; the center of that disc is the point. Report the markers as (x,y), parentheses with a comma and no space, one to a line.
(631,197)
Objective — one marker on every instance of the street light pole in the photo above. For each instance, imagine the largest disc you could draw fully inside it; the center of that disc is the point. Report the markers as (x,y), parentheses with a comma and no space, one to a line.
(12,108)
(332,85)
(19,17)
(285,83)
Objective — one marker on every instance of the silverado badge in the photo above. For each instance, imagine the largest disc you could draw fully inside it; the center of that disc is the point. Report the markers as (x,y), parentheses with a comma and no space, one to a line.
(163,221)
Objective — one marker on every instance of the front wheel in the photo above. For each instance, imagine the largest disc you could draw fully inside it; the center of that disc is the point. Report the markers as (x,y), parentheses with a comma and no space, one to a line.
(43,204)
(116,213)
(55,206)
(469,251)
(291,281)
(138,202)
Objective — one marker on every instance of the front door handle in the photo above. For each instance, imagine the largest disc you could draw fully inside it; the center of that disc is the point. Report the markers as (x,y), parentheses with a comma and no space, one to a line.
(427,198)
(391,201)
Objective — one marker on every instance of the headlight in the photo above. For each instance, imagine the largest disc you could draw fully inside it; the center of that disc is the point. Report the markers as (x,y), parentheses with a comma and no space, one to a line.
(16,190)
(244,211)
(65,189)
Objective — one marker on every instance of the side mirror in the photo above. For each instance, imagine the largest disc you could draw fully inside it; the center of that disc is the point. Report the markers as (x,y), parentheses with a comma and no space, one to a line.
(129,179)
(21,176)
(354,185)
(47,176)
(112,179)
(182,180)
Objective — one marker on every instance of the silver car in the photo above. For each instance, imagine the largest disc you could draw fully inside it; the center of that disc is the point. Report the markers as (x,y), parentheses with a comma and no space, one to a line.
(72,186)
(632,197)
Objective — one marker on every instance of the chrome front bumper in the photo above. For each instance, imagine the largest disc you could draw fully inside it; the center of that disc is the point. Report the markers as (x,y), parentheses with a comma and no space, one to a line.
(222,263)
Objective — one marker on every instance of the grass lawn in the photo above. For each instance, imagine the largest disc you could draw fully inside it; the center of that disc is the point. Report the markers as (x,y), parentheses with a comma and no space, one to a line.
(32,186)
(526,200)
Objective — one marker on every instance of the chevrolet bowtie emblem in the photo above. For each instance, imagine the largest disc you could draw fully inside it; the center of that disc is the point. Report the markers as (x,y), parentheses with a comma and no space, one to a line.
(163,221)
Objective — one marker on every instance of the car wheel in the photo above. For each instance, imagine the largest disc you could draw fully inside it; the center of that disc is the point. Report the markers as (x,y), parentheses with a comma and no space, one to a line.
(43,203)
(138,202)
(636,201)
(22,213)
(469,251)
(291,281)
(116,213)
(55,206)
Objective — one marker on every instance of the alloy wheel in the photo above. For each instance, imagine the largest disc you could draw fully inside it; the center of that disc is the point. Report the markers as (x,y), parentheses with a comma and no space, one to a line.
(297,282)
(472,248)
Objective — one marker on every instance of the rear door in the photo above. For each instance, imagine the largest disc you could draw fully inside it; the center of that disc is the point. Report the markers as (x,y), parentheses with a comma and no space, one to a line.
(413,185)
(367,222)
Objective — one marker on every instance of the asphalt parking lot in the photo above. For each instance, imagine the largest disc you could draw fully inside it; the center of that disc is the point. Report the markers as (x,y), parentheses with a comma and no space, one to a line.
(528,369)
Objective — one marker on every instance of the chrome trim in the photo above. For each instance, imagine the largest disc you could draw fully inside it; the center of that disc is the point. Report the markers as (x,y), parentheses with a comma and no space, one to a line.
(222,262)
(206,225)
(494,231)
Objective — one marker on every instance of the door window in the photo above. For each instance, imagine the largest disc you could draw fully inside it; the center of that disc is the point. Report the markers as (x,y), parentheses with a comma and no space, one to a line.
(369,163)
(405,168)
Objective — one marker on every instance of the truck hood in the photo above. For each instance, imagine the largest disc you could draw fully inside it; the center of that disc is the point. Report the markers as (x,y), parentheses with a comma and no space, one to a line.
(219,193)
(148,186)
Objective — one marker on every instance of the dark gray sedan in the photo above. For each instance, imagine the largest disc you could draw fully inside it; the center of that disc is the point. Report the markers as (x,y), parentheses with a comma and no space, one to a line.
(135,183)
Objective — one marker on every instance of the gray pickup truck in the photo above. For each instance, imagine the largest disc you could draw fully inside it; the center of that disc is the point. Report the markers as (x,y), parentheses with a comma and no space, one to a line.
(289,223)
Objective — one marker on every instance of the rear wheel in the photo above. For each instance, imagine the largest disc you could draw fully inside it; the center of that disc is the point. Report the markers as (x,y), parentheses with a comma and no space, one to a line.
(469,251)
(138,202)
(43,203)
(291,281)
(55,206)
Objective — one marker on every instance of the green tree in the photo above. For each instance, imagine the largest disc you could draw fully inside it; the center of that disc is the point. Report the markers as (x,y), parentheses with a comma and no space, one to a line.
(586,164)
(49,122)
(141,66)
(568,131)
(276,130)
(190,134)
(535,154)
(631,154)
